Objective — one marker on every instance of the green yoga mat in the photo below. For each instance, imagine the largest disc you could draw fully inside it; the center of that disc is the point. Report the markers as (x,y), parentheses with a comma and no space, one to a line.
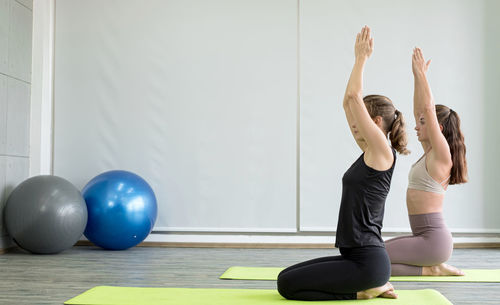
(271,273)
(106,295)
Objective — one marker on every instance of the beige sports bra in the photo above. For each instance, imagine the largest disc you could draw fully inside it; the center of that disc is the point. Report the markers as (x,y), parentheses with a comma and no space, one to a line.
(419,179)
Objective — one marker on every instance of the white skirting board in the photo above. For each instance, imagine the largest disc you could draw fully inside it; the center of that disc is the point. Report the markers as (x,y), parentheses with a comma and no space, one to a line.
(279,239)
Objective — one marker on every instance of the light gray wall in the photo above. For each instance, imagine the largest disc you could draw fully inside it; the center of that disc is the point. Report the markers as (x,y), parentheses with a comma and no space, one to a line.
(16,19)
(491,151)
(450,32)
(198,97)
(201,98)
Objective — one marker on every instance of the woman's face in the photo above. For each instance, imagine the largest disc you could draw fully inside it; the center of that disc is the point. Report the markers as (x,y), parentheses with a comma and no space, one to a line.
(421,129)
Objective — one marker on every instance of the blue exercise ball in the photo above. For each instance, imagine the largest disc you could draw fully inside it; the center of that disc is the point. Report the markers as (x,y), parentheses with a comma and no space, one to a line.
(121,208)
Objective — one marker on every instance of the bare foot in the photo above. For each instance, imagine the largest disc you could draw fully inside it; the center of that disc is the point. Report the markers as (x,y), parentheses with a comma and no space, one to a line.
(440,270)
(389,294)
(386,291)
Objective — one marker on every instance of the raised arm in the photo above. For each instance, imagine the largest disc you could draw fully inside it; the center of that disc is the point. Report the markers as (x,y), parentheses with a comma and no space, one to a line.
(370,136)
(424,108)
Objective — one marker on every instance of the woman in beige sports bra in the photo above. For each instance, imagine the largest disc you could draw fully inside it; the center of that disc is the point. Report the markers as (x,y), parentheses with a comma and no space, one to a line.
(443,164)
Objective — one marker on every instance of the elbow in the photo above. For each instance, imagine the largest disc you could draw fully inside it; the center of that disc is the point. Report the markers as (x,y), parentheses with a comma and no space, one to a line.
(351,97)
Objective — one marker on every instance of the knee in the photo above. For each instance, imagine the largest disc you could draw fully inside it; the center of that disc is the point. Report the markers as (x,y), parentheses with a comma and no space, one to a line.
(377,273)
(399,248)
(442,256)
(284,286)
(379,277)
(441,252)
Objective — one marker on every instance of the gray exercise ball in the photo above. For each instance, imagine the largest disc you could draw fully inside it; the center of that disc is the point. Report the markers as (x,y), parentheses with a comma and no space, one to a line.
(45,214)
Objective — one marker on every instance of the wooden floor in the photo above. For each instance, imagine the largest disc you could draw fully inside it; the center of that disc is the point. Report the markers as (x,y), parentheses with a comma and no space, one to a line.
(53,279)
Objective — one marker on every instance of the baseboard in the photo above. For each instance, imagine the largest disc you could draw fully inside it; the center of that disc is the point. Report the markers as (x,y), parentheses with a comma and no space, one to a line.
(475,245)
(272,246)
(222,245)
(281,241)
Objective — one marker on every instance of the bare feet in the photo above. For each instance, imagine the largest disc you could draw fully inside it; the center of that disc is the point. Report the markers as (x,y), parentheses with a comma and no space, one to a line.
(386,291)
(389,294)
(440,270)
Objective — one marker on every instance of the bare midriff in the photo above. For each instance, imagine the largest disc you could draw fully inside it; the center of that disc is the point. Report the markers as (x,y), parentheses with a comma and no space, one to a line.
(422,202)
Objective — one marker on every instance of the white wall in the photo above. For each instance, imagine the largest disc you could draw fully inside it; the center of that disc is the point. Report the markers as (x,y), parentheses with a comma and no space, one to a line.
(491,109)
(199,67)
(15,89)
(42,89)
(451,34)
(198,97)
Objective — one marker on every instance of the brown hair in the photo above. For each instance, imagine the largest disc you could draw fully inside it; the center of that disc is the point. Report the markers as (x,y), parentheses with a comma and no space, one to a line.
(450,121)
(393,121)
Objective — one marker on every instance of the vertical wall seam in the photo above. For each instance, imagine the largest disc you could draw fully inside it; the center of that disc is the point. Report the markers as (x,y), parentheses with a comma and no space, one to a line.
(298,120)
(52,85)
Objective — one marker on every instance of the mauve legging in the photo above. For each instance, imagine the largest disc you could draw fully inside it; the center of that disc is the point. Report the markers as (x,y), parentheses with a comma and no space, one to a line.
(430,245)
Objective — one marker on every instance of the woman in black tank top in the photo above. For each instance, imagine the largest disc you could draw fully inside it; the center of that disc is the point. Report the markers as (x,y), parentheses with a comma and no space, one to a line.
(362,270)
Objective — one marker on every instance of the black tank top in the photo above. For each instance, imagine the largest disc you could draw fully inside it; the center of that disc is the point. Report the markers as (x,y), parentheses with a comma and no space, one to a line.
(361,214)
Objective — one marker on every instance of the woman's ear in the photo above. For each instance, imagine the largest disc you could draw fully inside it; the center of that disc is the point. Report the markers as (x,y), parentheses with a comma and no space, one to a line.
(441,127)
(378,120)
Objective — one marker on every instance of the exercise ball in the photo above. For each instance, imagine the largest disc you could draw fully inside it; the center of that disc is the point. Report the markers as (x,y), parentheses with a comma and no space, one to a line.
(45,214)
(122,210)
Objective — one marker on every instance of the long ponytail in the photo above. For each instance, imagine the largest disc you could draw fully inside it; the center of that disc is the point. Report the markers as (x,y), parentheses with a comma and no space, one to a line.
(450,121)
(397,134)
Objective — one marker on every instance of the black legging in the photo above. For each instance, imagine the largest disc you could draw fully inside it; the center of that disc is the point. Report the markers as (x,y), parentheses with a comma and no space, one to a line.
(336,277)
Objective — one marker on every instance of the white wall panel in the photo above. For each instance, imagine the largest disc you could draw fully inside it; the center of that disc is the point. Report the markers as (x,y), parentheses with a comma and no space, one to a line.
(18,117)
(3,114)
(15,71)
(491,108)
(41,129)
(4,34)
(198,97)
(26,3)
(16,172)
(20,35)
(450,33)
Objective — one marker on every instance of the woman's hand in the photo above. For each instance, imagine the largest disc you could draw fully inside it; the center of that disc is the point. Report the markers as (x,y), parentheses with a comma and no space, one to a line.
(418,64)
(364,44)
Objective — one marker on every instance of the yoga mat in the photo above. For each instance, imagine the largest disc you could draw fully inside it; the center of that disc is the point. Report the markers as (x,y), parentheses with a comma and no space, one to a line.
(271,273)
(107,295)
